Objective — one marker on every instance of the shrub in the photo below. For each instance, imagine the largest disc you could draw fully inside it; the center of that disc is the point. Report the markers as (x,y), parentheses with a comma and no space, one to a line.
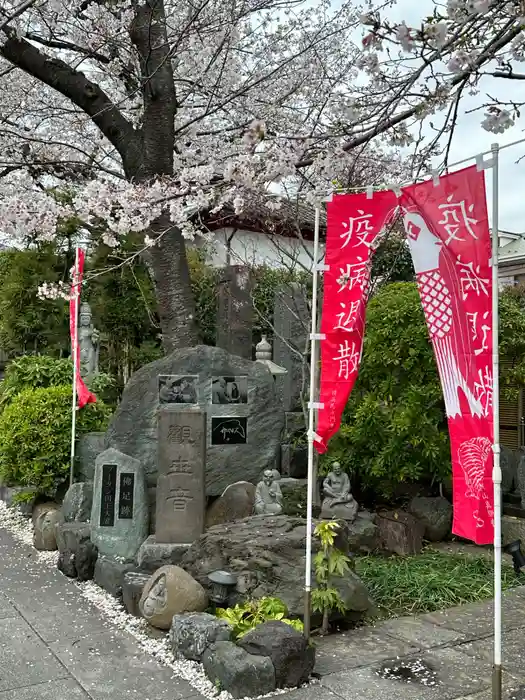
(244,617)
(42,371)
(35,437)
(394,427)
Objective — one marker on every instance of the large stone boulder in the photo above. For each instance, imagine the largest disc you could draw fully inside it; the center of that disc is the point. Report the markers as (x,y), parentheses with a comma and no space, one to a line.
(133,429)
(292,656)
(267,553)
(191,634)
(243,675)
(170,591)
(236,503)
(435,514)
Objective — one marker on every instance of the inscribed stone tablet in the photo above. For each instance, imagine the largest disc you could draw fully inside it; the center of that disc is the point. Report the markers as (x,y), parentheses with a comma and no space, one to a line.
(180,486)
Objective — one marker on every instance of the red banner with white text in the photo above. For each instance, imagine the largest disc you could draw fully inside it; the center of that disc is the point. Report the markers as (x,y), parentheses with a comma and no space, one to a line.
(84,396)
(449,237)
(354,224)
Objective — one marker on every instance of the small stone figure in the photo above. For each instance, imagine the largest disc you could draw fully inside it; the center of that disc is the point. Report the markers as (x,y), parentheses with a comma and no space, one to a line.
(88,341)
(268,495)
(338,502)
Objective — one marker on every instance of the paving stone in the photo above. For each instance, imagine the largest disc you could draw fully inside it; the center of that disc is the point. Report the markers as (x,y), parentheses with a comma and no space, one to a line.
(311,692)
(477,619)
(458,674)
(513,652)
(24,659)
(113,666)
(419,633)
(6,609)
(359,647)
(66,689)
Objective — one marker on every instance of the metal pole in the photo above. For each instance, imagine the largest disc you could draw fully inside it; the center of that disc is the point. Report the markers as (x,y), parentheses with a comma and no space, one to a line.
(74,342)
(496,472)
(311,409)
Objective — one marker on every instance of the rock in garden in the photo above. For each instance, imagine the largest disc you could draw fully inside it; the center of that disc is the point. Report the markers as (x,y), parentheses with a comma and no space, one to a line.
(133,429)
(66,563)
(77,502)
(191,634)
(109,574)
(293,658)
(171,591)
(44,535)
(400,532)
(235,503)
(132,587)
(435,514)
(43,508)
(85,561)
(231,668)
(90,445)
(267,554)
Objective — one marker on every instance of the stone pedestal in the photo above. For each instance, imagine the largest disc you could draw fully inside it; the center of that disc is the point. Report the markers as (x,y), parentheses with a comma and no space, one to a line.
(152,554)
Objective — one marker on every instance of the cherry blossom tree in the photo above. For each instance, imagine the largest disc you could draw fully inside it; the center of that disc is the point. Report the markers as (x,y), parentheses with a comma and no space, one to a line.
(143,115)
(422,73)
(147,115)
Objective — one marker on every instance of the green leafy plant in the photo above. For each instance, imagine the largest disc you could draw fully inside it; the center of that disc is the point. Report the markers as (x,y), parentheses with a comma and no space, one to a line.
(329,563)
(35,437)
(34,372)
(244,617)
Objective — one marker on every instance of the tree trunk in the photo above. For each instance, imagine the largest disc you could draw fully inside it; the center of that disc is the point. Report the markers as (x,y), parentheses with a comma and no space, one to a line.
(171,277)
(169,263)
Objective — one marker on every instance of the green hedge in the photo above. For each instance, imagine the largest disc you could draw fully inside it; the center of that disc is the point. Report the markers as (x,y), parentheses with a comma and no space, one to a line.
(35,437)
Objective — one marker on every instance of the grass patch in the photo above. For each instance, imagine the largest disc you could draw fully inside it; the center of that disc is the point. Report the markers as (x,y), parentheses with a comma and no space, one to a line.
(429,581)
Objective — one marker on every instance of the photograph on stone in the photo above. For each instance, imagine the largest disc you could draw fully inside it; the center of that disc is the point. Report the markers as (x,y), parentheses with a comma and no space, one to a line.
(229,430)
(177,389)
(229,390)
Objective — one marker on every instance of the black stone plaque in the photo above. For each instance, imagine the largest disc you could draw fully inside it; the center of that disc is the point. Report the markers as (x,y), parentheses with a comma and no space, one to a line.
(229,430)
(107,495)
(125,501)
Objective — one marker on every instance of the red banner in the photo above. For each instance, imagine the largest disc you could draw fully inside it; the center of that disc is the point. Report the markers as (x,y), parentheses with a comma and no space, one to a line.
(354,224)
(449,237)
(84,396)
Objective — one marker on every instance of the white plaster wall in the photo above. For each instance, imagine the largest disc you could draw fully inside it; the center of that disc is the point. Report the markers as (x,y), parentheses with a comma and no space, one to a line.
(252,249)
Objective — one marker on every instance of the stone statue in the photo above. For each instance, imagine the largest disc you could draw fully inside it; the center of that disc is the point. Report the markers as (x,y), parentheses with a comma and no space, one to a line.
(338,502)
(88,341)
(156,600)
(268,496)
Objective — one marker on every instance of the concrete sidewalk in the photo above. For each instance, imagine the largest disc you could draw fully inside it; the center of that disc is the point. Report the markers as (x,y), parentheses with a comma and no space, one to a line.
(55,645)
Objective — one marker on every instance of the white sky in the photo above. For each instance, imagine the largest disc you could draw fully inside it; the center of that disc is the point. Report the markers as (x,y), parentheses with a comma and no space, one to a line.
(470,139)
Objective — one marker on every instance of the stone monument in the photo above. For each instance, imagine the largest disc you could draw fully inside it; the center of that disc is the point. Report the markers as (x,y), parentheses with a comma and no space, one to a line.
(119,515)
(134,426)
(338,502)
(88,340)
(268,496)
(180,485)
(235,311)
(291,322)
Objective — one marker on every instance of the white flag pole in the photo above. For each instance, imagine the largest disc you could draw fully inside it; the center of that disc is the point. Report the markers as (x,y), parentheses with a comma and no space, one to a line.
(496,473)
(74,341)
(311,435)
